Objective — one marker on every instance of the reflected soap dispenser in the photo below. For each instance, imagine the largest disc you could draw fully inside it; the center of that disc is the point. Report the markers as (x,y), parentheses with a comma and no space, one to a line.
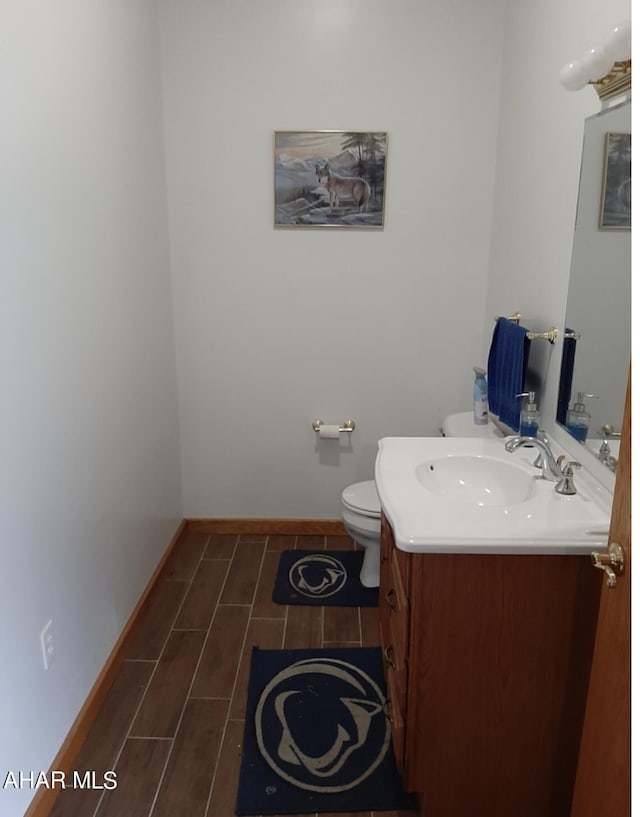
(529,416)
(578,418)
(480,398)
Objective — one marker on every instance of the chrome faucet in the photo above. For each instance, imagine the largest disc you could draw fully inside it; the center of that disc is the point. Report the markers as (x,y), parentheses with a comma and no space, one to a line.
(555,470)
(542,435)
(550,468)
(605,451)
(605,456)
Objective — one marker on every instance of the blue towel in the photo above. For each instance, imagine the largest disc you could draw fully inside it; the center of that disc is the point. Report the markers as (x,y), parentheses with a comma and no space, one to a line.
(566,376)
(506,370)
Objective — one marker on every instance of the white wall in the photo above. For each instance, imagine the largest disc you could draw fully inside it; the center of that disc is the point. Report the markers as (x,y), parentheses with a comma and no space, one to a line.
(278,327)
(90,478)
(537,175)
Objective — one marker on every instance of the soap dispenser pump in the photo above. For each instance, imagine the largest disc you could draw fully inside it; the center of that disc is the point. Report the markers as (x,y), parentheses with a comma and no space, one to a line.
(529,416)
(578,418)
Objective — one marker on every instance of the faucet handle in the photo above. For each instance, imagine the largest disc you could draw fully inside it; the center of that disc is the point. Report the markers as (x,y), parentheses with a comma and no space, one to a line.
(567,467)
(566,485)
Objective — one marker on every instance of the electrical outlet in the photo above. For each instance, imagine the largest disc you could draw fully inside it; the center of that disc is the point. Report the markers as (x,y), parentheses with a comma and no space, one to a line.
(47,645)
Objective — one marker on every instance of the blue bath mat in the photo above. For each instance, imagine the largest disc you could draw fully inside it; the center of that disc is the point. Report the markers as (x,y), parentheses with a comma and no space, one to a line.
(317,737)
(322,577)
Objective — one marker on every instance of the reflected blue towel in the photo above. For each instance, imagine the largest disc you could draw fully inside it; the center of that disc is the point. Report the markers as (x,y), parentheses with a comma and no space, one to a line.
(506,370)
(566,376)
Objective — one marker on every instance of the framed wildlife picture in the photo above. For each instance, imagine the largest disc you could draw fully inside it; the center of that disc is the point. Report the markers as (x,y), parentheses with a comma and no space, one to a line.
(329,178)
(615,206)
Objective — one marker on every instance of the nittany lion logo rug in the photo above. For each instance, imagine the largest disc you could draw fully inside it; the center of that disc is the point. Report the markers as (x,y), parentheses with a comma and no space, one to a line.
(317,734)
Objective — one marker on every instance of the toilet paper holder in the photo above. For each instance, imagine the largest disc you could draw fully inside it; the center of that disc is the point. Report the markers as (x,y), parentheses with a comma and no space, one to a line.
(347,425)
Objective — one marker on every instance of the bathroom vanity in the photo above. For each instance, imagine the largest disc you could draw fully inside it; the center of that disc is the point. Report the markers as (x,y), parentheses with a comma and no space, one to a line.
(487,662)
(488,612)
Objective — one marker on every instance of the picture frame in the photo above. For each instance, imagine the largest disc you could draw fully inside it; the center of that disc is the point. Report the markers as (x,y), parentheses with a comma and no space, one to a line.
(615,200)
(330,178)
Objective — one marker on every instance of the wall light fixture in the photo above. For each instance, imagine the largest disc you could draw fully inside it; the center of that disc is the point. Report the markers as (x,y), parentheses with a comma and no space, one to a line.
(607,66)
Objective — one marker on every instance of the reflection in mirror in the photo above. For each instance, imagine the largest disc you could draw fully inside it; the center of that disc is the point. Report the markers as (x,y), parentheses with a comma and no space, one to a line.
(597,342)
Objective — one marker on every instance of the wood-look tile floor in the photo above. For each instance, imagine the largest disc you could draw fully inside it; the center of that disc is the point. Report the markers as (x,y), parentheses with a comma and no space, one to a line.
(172,723)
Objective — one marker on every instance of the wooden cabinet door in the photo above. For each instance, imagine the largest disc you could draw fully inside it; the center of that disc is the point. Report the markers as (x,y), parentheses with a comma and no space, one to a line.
(384,601)
(603,779)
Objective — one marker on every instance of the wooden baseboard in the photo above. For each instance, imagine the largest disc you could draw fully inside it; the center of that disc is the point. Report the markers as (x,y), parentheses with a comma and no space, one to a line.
(42,803)
(269,527)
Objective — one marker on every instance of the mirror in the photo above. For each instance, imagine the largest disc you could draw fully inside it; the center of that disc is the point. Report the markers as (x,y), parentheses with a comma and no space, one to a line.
(597,343)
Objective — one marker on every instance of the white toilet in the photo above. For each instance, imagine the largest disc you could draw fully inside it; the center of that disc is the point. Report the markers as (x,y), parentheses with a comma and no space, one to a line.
(462,425)
(361,518)
(361,506)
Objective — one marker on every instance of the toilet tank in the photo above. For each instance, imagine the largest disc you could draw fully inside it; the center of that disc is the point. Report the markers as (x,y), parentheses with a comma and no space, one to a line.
(462,425)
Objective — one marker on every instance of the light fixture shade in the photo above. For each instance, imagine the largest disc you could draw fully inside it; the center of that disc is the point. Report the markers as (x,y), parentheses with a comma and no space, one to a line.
(574,76)
(617,43)
(597,63)
(607,67)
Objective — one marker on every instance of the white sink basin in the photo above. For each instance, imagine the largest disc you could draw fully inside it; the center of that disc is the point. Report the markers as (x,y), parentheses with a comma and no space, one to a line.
(468,495)
(477,479)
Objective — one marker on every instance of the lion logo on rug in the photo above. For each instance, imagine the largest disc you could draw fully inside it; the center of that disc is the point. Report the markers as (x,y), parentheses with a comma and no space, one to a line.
(332,731)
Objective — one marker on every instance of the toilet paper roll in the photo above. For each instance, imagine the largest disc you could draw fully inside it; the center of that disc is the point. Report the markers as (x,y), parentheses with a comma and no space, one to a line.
(329,432)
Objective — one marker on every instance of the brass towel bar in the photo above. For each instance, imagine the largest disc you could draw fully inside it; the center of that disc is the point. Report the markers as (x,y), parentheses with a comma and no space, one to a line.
(551,335)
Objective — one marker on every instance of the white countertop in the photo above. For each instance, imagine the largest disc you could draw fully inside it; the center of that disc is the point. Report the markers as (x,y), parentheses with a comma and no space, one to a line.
(425,520)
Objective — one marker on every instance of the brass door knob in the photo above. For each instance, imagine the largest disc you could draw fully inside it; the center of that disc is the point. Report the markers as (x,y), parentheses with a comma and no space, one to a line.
(611,562)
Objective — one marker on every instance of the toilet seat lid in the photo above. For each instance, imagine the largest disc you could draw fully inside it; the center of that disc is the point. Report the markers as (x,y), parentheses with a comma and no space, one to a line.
(362,498)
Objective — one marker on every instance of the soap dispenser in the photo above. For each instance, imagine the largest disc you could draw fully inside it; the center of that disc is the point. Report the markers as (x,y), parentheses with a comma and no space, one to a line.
(529,416)
(578,418)
(480,399)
